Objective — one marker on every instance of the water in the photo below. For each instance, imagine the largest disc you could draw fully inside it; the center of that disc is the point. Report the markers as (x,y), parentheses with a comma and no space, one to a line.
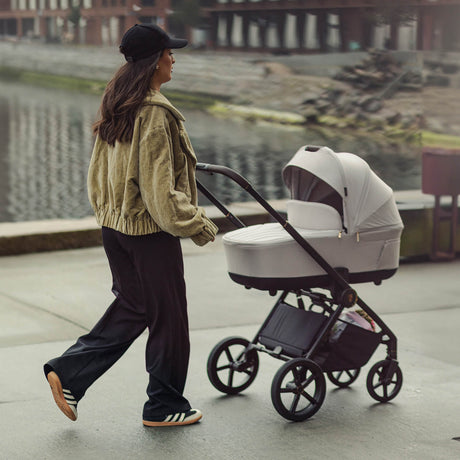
(46,142)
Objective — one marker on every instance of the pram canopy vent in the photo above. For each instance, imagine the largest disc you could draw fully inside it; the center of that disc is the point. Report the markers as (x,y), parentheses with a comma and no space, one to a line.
(345,182)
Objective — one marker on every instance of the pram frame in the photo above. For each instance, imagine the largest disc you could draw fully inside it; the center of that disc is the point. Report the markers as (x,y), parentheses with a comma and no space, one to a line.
(342,294)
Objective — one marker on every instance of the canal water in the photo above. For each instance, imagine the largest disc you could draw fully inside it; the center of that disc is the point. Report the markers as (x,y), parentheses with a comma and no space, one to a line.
(46,141)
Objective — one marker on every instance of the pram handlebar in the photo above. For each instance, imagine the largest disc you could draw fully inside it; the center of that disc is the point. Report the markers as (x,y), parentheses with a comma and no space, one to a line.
(211,169)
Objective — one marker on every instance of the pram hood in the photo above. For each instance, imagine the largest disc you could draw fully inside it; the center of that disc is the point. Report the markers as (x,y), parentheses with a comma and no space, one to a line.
(345,182)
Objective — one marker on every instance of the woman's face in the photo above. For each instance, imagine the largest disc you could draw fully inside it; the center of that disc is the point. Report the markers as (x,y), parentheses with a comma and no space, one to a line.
(164,70)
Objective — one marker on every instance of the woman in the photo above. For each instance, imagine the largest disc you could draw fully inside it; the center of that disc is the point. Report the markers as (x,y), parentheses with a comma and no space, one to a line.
(141,185)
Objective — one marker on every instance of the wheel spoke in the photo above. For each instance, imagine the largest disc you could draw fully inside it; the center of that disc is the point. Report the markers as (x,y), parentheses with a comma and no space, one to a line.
(230,378)
(229,355)
(294,404)
(221,368)
(307,382)
(339,375)
(350,374)
(310,398)
(286,390)
(385,391)
(240,356)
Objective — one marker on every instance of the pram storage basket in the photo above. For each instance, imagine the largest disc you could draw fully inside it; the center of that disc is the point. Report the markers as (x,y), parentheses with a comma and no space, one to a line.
(293,330)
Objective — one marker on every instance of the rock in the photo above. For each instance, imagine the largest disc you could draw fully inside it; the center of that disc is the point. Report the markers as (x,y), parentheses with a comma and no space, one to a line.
(322,105)
(393,118)
(310,113)
(372,105)
(310,98)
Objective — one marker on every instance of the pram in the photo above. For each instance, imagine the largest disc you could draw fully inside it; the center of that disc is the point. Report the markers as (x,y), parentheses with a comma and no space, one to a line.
(342,227)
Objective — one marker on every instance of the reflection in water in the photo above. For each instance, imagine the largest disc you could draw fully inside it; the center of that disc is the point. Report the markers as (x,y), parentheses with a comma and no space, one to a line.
(45,146)
(44,153)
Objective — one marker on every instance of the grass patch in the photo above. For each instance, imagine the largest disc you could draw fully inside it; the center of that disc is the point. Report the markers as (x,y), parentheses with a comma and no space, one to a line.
(52,81)
(446,141)
(96,87)
(256,114)
(192,100)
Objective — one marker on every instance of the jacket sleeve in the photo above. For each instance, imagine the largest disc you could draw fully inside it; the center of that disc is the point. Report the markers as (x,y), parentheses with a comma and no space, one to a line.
(169,205)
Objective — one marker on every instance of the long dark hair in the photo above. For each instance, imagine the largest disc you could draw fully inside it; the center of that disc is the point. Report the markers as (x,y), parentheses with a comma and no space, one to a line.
(122,99)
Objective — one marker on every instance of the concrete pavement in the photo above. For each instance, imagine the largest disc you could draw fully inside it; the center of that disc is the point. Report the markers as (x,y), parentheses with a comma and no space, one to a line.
(48,299)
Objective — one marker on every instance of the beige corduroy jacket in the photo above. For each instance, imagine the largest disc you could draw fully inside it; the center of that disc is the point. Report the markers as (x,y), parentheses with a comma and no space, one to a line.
(148,185)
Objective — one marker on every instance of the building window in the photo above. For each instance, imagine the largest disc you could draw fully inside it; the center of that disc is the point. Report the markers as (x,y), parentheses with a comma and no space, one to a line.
(148,2)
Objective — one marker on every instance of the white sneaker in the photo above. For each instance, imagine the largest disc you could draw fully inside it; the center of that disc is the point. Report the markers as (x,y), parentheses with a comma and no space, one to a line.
(180,418)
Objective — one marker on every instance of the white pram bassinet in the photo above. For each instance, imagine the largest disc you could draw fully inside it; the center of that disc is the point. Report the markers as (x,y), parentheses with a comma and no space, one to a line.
(344,211)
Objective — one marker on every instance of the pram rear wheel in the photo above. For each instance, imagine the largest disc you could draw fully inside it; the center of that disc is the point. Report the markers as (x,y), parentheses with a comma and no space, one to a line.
(344,378)
(384,380)
(298,389)
(231,367)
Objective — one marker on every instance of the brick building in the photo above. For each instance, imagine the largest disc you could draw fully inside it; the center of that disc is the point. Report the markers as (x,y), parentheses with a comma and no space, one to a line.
(98,22)
(259,25)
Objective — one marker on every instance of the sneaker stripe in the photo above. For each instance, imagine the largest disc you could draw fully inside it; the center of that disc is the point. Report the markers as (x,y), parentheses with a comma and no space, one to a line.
(180,418)
(63,397)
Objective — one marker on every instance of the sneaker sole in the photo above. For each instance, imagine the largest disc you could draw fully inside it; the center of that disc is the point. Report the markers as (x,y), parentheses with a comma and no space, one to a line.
(58,395)
(186,422)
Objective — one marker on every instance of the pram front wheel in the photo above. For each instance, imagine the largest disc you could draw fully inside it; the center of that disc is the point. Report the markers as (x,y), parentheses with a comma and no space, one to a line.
(231,367)
(384,380)
(343,379)
(298,389)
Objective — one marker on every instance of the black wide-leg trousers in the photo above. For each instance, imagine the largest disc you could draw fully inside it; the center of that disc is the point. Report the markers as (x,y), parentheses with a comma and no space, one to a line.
(148,282)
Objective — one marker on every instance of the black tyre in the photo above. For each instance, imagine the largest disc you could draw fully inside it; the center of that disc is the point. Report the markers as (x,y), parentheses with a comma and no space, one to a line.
(298,389)
(343,379)
(382,384)
(231,368)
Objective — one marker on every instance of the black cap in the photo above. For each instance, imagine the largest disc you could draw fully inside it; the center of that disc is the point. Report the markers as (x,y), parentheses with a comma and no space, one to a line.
(144,40)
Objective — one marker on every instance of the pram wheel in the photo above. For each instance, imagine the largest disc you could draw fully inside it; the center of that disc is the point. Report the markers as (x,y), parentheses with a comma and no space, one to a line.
(384,380)
(298,389)
(344,378)
(231,368)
